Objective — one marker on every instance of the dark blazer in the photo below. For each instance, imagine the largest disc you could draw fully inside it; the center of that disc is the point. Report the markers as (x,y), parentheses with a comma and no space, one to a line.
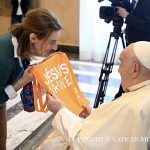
(10,69)
(24,6)
(138,23)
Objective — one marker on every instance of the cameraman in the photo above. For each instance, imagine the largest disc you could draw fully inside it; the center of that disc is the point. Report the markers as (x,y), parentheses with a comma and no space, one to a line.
(137,25)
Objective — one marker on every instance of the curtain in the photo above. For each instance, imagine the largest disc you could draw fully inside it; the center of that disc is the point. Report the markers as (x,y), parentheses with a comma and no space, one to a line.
(94,32)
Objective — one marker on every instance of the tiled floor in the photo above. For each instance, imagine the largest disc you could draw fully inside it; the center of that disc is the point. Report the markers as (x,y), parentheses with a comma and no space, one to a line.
(22,124)
(87,74)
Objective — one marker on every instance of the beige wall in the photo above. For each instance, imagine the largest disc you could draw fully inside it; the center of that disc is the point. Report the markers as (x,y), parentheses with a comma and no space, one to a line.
(66,10)
(68,14)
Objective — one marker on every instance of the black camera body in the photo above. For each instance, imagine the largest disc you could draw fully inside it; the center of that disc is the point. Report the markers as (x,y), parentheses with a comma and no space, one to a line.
(109,13)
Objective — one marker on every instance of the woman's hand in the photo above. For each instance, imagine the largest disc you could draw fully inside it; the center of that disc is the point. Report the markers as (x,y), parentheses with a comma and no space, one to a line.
(26,78)
(86,112)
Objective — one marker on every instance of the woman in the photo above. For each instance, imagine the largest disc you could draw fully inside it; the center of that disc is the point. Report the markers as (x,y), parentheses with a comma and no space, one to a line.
(37,34)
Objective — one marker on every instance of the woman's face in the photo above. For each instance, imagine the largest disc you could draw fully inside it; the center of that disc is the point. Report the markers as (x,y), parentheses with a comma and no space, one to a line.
(43,46)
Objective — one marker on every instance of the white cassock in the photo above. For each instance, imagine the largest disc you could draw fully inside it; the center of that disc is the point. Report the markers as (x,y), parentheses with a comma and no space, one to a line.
(123,124)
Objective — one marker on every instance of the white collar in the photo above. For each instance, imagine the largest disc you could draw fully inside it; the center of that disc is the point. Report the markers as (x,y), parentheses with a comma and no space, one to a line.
(15,44)
(136,1)
(139,85)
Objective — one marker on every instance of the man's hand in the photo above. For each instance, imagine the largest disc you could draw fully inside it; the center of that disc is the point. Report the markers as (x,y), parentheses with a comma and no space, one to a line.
(54,104)
(86,112)
(122,12)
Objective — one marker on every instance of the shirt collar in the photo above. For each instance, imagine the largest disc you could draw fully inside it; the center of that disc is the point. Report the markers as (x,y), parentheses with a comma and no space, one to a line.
(136,1)
(15,44)
(138,86)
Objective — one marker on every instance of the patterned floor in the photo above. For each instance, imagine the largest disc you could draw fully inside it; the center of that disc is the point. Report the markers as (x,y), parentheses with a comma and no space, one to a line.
(22,124)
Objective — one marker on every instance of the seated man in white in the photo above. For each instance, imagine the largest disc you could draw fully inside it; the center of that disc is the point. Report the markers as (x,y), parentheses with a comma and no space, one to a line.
(123,124)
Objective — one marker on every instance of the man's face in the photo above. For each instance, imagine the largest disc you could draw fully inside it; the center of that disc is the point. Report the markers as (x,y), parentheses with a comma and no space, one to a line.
(124,68)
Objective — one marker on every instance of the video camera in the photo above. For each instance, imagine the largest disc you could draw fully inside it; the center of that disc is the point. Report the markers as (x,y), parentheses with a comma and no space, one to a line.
(109,13)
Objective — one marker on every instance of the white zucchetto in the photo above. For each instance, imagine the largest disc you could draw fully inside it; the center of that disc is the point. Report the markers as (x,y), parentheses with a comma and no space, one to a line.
(142,52)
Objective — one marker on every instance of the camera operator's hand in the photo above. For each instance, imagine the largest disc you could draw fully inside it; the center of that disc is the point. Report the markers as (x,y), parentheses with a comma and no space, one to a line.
(122,12)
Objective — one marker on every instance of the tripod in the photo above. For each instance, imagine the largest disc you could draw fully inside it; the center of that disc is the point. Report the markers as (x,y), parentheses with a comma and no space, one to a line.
(107,65)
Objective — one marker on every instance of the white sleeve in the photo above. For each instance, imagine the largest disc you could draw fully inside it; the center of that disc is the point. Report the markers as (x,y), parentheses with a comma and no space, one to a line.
(10,91)
(113,126)
(67,124)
